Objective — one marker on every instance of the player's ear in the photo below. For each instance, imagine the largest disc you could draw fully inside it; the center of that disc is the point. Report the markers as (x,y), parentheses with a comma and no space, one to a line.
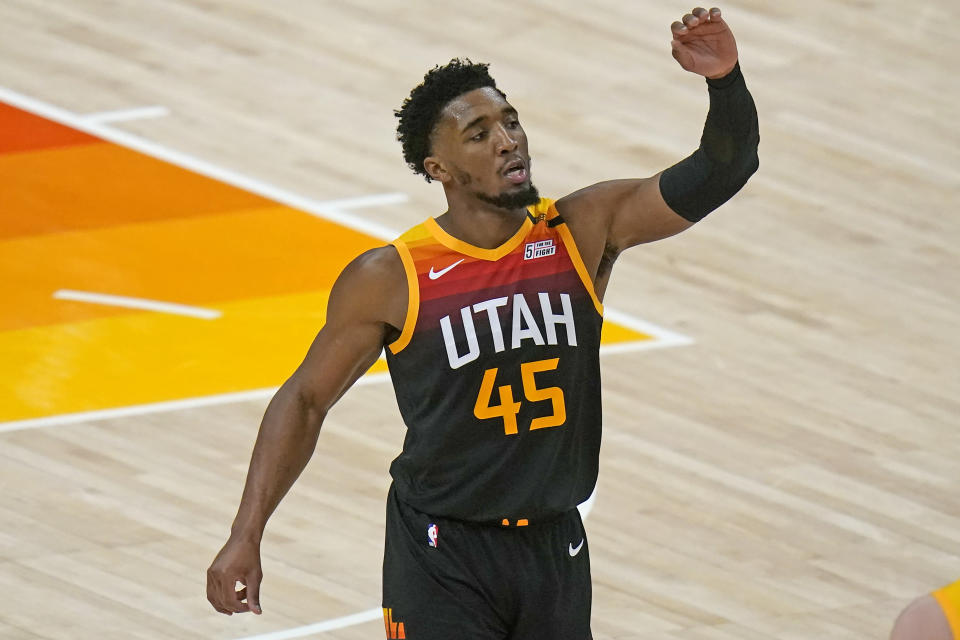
(435,169)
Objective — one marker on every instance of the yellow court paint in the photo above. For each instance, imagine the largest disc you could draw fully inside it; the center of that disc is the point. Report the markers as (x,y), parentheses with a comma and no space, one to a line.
(149,357)
(613,333)
(86,214)
(146,357)
(194,261)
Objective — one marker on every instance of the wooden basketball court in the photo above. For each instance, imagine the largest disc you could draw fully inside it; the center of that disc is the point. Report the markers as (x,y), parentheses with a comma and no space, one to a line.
(782,404)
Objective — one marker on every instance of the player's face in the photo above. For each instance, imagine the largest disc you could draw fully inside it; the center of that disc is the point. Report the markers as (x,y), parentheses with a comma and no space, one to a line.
(479,147)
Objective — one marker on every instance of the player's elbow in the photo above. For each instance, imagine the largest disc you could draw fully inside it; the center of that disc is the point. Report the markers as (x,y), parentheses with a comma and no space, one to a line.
(748,165)
(743,162)
(752,161)
(304,400)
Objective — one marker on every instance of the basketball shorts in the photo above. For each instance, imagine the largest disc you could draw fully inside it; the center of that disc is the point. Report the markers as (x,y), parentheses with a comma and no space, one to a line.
(452,580)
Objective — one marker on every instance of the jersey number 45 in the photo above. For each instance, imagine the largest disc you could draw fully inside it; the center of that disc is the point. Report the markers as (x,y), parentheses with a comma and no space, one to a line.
(508,409)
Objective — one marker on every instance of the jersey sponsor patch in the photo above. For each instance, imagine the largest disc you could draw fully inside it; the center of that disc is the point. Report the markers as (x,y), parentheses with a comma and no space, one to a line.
(539,249)
(433,535)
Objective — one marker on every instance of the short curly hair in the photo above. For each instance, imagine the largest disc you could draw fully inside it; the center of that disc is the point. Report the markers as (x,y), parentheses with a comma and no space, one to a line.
(420,111)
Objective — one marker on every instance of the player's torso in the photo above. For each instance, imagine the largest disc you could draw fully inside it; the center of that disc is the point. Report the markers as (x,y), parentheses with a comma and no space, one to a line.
(496,374)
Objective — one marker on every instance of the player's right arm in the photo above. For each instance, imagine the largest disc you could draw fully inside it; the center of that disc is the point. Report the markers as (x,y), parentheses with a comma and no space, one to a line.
(367,306)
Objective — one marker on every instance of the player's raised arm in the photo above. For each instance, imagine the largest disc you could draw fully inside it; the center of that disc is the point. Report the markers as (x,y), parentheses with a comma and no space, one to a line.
(618,214)
(367,304)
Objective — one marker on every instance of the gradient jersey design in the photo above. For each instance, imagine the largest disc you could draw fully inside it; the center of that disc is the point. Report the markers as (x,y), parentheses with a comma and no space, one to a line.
(949,599)
(497,374)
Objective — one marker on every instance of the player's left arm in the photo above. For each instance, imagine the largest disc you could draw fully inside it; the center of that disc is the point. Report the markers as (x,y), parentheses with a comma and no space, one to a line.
(614,215)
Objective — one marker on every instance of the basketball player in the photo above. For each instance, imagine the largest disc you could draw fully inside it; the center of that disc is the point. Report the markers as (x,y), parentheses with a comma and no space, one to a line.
(490,316)
(935,616)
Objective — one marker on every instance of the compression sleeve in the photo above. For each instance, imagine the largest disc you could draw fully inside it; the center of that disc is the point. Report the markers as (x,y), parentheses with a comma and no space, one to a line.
(727,156)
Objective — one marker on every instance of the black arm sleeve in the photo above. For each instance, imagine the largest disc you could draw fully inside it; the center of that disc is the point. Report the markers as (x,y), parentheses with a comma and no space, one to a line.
(727,156)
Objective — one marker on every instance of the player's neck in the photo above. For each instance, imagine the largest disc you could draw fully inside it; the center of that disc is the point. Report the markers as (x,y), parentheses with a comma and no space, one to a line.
(481,224)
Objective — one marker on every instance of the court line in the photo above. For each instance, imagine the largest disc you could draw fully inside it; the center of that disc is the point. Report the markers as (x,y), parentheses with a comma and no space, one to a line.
(328,625)
(137,303)
(122,115)
(333,210)
(672,338)
(664,337)
(586,506)
(375,200)
(162,407)
(371,614)
(668,339)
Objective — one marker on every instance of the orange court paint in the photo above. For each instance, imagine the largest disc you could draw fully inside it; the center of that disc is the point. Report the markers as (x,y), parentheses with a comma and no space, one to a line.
(82,213)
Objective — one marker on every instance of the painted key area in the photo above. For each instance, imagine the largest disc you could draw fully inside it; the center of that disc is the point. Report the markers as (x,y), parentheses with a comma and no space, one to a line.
(82,214)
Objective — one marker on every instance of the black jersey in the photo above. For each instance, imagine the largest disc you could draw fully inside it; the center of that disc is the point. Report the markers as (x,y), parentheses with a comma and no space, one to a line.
(497,374)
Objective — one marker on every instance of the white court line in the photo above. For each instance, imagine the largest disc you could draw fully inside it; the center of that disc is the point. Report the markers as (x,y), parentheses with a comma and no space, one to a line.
(664,337)
(122,115)
(334,210)
(162,407)
(319,627)
(137,303)
(586,506)
(375,200)
(372,614)
(666,340)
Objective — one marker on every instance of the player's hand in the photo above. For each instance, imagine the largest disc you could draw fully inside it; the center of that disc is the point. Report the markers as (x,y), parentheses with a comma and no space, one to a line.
(703,43)
(238,561)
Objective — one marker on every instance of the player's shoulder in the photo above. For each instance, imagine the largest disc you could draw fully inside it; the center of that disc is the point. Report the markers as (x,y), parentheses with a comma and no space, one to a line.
(372,287)
(594,199)
(588,211)
(374,268)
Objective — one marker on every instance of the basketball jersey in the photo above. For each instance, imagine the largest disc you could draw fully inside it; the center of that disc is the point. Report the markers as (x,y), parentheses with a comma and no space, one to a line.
(497,375)
(949,599)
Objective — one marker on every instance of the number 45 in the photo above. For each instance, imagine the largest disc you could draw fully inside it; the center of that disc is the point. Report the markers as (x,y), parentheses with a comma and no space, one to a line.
(508,409)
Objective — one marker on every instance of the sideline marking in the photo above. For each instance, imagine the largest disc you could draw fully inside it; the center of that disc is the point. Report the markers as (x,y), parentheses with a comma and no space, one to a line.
(137,303)
(664,337)
(372,614)
(329,625)
(121,115)
(333,210)
(375,200)
(162,407)
(586,506)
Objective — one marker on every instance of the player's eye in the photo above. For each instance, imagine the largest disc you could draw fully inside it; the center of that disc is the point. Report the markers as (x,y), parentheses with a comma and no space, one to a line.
(479,136)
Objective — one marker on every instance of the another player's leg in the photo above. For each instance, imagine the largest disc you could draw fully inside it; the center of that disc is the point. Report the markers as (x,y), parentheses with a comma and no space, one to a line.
(934,616)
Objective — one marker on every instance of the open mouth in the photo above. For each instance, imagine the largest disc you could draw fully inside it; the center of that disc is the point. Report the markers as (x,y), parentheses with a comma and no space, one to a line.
(515,171)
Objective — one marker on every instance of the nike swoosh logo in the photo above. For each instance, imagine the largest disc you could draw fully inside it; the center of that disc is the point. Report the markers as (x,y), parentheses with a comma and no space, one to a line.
(436,274)
(574,550)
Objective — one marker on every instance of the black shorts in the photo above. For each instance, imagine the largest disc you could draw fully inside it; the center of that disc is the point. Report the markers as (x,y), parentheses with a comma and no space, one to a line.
(482,582)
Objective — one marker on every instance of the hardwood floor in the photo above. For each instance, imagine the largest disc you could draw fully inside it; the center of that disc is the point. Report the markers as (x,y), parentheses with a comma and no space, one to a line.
(792,474)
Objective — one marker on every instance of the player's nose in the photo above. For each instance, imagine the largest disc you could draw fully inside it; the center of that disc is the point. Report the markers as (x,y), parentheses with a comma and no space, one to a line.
(506,141)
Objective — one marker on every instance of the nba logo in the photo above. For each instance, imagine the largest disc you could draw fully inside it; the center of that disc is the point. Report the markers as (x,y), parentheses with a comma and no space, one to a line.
(432,535)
